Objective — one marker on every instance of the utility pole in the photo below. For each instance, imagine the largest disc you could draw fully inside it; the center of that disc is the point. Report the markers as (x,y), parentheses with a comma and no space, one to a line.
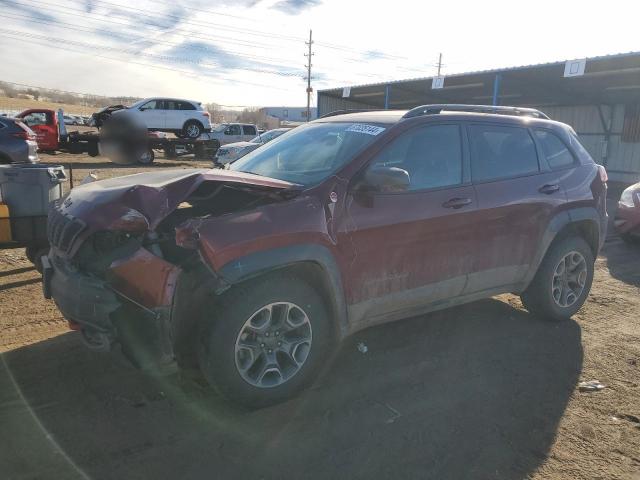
(439,63)
(309,65)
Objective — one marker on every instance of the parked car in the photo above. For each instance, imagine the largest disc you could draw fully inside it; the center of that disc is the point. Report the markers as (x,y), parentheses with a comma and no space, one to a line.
(185,118)
(69,120)
(227,133)
(233,151)
(17,142)
(255,273)
(627,218)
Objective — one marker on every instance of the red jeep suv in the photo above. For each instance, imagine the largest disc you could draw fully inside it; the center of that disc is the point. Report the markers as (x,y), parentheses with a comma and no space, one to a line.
(255,273)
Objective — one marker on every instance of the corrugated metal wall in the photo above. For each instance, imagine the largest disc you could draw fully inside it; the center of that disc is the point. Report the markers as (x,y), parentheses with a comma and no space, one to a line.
(622,159)
(328,104)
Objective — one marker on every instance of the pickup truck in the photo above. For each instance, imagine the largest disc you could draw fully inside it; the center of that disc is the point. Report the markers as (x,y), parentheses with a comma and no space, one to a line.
(51,133)
(233,132)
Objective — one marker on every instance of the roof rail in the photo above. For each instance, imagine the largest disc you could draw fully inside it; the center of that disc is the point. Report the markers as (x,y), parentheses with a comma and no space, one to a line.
(438,108)
(344,112)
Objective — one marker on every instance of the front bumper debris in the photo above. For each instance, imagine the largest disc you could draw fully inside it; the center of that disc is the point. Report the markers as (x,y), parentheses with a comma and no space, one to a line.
(107,317)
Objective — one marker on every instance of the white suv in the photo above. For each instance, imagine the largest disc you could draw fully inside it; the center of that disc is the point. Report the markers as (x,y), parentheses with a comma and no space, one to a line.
(185,118)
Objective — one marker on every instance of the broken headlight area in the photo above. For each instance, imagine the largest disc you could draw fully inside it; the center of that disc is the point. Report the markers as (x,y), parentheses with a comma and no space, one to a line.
(101,249)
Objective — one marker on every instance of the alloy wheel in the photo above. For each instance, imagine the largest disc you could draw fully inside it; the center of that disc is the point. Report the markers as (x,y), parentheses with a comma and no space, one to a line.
(569,278)
(273,344)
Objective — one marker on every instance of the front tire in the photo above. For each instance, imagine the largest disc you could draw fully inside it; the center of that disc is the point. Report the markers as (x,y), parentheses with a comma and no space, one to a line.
(265,341)
(563,280)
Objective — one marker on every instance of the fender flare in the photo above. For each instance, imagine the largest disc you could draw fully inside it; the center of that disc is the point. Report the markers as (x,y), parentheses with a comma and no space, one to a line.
(266,261)
(555,226)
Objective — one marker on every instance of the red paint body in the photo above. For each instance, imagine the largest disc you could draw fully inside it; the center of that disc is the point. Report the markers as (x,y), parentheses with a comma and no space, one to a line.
(387,254)
(47,134)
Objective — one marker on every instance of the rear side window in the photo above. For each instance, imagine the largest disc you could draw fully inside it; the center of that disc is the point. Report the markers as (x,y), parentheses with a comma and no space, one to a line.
(431,155)
(501,152)
(554,149)
(186,106)
(249,130)
(170,105)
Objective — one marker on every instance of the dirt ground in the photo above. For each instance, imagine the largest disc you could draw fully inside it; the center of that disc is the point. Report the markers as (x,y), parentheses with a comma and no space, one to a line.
(484,391)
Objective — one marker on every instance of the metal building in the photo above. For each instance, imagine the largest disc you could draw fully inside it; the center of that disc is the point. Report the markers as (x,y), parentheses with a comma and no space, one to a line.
(599,97)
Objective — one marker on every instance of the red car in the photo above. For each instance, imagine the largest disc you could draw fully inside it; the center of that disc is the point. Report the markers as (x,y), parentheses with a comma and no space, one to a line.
(255,273)
(627,218)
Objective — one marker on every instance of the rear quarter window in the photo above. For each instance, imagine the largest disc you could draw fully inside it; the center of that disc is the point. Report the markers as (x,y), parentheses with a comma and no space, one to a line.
(501,152)
(555,150)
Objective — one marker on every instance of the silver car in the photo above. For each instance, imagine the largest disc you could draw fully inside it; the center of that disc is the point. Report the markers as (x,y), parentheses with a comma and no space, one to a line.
(17,142)
(233,151)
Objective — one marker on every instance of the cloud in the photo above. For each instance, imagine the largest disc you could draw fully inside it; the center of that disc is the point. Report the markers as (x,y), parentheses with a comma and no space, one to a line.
(295,7)
(205,54)
(26,10)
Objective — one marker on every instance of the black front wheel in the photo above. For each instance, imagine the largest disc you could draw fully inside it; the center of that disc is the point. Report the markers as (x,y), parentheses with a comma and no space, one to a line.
(265,341)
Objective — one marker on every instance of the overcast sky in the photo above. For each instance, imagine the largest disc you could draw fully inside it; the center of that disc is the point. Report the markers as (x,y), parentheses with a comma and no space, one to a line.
(250,52)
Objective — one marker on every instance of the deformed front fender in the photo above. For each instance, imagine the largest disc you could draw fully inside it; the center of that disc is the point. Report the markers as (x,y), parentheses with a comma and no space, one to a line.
(262,262)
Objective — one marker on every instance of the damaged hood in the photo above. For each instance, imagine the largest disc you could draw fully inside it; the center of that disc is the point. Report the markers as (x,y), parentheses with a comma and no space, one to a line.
(150,197)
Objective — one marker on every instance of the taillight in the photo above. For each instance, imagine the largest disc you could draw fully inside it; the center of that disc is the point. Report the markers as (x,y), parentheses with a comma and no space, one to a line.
(22,135)
(25,134)
(603,174)
(206,114)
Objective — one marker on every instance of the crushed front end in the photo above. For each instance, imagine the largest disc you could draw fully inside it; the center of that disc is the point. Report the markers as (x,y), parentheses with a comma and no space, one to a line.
(115,270)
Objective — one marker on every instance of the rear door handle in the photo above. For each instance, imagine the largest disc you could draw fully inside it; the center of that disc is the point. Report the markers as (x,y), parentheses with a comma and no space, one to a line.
(457,203)
(549,188)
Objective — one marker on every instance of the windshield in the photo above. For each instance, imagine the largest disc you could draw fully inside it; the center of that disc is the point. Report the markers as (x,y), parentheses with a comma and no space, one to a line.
(310,153)
(267,136)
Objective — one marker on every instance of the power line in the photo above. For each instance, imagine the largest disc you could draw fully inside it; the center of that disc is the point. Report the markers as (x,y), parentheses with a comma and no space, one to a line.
(148,55)
(272,36)
(129,61)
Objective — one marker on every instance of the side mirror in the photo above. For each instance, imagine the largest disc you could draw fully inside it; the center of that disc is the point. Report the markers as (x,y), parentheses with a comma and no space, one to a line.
(228,131)
(384,179)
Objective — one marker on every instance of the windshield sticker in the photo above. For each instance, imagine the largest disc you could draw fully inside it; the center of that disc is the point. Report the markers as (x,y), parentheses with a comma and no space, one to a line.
(367,129)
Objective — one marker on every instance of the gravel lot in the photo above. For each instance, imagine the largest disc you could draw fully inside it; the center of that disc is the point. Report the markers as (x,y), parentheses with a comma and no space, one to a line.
(484,391)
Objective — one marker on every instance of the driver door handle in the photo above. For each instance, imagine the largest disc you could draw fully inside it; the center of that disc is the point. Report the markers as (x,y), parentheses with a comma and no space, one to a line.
(549,188)
(457,203)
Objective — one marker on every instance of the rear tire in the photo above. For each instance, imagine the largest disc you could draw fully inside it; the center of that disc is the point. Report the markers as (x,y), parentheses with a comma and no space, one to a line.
(630,239)
(192,129)
(147,158)
(563,280)
(238,349)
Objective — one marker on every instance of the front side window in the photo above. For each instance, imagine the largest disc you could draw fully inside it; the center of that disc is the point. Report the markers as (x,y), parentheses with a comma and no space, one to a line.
(35,118)
(554,149)
(501,152)
(152,105)
(431,155)
(310,153)
(232,130)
